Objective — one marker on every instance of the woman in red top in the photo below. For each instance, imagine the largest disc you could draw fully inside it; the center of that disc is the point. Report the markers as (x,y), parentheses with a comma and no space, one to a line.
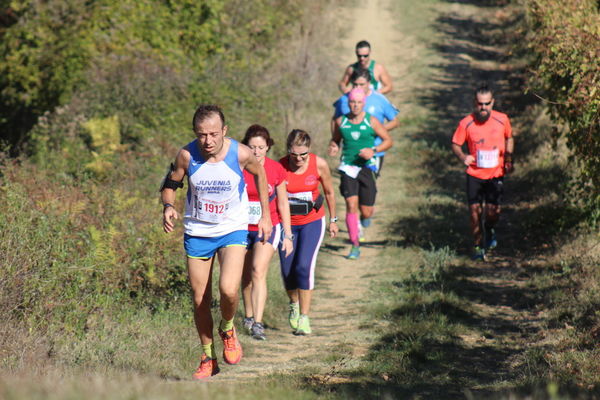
(305,171)
(258,257)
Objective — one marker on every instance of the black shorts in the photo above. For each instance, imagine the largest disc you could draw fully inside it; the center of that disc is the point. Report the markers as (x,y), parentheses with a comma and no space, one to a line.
(363,186)
(489,190)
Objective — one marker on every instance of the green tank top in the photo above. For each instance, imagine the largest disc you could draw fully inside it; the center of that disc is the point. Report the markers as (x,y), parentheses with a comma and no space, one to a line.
(356,137)
(375,83)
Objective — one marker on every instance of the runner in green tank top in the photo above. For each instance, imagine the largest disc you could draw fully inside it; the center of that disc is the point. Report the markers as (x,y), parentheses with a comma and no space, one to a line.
(380,79)
(375,84)
(356,133)
(356,137)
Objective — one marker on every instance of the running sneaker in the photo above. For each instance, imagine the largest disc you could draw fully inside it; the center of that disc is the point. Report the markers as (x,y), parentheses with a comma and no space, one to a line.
(490,239)
(478,253)
(207,368)
(354,253)
(294,315)
(248,322)
(232,349)
(361,233)
(258,331)
(303,326)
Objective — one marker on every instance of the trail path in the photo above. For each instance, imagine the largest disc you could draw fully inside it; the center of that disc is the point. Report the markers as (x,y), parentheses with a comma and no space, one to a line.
(497,290)
(340,284)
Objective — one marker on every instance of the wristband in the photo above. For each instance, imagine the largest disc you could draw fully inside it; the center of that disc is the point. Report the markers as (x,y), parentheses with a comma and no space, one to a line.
(167,205)
(333,219)
(508,157)
(289,237)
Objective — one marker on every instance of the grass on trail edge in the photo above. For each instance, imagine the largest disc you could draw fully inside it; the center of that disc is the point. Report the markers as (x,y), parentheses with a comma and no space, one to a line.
(524,325)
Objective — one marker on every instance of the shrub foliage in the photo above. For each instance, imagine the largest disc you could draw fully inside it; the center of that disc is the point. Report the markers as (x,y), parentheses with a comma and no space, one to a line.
(53,51)
(97,98)
(565,39)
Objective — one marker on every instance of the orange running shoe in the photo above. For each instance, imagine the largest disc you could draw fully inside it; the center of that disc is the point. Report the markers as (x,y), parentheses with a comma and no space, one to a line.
(207,368)
(232,349)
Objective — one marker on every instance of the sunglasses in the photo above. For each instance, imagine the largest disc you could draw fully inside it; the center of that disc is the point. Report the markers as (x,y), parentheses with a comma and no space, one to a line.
(363,55)
(484,104)
(299,155)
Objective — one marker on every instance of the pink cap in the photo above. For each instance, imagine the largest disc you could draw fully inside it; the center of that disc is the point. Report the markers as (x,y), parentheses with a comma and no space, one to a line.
(356,94)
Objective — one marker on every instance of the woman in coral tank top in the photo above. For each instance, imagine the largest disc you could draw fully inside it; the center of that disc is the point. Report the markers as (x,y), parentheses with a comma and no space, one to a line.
(260,252)
(305,172)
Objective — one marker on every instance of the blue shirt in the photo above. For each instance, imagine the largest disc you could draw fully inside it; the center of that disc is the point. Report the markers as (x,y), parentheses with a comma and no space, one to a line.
(376,104)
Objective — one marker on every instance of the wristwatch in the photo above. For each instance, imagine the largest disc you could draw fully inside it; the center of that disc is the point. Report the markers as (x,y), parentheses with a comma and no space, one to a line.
(290,237)
(333,219)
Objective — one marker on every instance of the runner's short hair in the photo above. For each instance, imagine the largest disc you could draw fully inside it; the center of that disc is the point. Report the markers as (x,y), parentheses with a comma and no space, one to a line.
(483,88)
(360,73)
(258,131)
(204,111)
(363,44)
(298,137)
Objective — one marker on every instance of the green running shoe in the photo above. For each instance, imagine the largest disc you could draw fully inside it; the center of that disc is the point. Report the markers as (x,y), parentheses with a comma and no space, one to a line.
(303,326)
(294,315)
(361,234)
(354,253)
(478,254)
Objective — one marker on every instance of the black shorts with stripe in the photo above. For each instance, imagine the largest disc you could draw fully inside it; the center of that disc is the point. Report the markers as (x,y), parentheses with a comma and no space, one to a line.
(364,186)
(490,190)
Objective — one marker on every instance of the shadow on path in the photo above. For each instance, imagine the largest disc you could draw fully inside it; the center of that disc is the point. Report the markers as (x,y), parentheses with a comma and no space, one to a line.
(495,302)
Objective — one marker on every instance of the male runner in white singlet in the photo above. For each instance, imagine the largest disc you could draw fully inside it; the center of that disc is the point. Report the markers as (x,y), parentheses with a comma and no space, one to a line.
(215,222)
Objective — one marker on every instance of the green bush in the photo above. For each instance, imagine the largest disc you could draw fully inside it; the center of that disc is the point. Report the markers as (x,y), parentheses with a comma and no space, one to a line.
(565,39)
(81,221)
(145,59)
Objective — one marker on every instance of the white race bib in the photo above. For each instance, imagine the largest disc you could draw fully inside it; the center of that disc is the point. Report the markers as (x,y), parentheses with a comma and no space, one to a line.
(351,170)
(254,212)
(211,211)
(306,196)
(487,158)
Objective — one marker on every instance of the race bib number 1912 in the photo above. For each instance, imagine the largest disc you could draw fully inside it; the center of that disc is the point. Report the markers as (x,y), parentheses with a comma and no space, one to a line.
(210,211)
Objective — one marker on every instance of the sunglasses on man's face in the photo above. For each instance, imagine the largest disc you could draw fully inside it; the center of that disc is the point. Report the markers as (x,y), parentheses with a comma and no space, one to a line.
(363,55)
(298,155)
(484,104)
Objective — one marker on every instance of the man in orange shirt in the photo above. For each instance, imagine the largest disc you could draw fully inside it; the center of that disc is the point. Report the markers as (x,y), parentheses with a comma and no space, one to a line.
(489,139)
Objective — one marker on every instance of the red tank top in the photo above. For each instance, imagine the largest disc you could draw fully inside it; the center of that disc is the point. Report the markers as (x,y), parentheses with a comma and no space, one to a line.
(304,186)
(275,176)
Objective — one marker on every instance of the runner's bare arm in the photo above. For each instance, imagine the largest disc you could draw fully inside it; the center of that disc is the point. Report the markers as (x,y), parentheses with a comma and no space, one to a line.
(344,84)
(382,76)
(168,195)
(283,206)
(387,142)
(327,185)
(251,164)
(336,137)
(466,159)
(389,125)
(332,123)
(508,160)
(510,145)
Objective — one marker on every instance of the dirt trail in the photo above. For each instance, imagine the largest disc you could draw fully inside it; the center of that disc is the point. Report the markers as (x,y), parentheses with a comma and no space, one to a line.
(497,289)
(340,287)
